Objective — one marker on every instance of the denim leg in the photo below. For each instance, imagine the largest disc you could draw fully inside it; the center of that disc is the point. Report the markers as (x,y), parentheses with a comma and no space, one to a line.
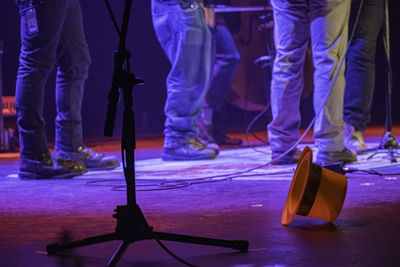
(329,29)
(291,36)
(72,71)
(225,67)
(37,57)
(360,71)
(186,40)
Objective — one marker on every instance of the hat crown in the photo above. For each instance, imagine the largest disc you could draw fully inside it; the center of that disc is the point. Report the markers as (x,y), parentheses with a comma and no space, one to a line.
(315,191)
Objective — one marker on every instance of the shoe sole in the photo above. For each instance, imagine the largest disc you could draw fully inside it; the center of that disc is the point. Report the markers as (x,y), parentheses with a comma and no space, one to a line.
(167,157)
(284,162)
(34,176)
(326,161)
(105,168)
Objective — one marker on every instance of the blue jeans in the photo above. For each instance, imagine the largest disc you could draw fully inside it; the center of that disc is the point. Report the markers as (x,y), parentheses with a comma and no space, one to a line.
(325,23)
(186,40)
(59,42)
(226,61)
(360,72)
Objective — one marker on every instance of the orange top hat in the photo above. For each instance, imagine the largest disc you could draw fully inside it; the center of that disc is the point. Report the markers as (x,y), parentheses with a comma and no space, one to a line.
(315,191)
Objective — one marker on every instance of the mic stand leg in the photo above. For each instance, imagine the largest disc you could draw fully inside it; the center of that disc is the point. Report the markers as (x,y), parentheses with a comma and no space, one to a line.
(118,253)
(131,223)
(131,227)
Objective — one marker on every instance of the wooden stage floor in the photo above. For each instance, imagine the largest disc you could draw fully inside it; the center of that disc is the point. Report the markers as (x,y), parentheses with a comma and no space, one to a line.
(217,198)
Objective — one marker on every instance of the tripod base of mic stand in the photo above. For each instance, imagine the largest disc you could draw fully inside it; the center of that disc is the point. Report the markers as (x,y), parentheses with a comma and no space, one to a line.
(388,144)
(132,227)
(389,141)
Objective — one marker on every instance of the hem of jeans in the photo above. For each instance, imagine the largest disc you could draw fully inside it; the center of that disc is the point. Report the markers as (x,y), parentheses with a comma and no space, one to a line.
(356,125)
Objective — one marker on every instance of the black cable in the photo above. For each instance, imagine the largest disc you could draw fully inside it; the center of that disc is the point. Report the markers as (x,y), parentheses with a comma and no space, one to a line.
(101,182)
(122,150)
(236,174)
(111,13)
(258,116)
(177,184)
(156,188)
(170,252)
(333,83)
(369,171)
(253,121)
(321,108)
(330,91)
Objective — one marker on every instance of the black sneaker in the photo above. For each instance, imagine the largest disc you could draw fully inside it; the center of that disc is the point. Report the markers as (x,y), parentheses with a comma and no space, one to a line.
(44,169)
(327,158)
(91,159)
(189,150)
(290,158)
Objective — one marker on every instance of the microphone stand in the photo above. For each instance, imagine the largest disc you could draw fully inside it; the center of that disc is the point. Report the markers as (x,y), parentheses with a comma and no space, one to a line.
(131,223)
(388,141)
(2,133)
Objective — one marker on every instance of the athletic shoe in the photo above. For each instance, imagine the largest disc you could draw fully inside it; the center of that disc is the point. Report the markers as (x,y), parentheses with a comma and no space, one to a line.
(331,157)
(191,149)
(44,169)
(91,159)
(353,139)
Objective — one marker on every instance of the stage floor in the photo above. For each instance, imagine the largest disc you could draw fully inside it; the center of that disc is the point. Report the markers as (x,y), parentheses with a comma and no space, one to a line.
(218,198)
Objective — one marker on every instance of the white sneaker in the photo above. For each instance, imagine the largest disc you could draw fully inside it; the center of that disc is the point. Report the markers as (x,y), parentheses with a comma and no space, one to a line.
(353,139)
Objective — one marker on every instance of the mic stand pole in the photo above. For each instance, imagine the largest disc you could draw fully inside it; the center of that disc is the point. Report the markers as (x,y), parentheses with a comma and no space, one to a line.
(388,141)
(131,223)
(2,133)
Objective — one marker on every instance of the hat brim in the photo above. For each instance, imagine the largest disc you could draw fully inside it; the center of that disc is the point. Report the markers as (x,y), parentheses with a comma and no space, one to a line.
(298,186)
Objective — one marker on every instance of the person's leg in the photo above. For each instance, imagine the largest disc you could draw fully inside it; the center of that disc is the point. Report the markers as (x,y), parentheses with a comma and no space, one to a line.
(186,40)
(224,70)
(40,32)
(329,30)
(72,71)
(73,62)
(360,70)
(37,58)
(291,35)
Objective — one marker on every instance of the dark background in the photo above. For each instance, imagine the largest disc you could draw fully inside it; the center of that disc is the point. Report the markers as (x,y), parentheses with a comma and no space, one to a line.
(149,63)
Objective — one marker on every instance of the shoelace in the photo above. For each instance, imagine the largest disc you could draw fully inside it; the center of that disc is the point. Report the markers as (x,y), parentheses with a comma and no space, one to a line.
(196,143)
(88,152)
